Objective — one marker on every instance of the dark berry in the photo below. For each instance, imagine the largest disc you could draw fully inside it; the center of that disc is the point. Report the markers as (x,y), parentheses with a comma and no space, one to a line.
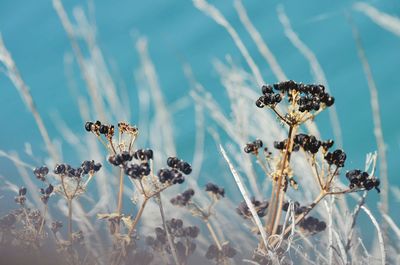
(88,126)
(103,129)
(329,101)
(59,169)
(49,189)
(22,191)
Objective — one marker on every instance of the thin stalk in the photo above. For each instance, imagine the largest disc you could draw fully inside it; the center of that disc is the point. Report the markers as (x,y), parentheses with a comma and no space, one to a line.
(139,214)
(42,222)
(353,222)
(120,191)
(170,241)
(69,219)
(262,165)
(276,196)
(213,234)
(300,217)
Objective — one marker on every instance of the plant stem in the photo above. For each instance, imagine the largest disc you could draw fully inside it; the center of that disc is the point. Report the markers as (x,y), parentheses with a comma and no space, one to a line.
(139,214)
(213,235)
(300,217)
(43,220)
(120,193)
(69,219)
(170,241)
(277,196)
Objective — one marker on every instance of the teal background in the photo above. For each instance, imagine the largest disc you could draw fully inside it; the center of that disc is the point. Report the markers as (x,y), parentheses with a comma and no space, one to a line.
(177,32)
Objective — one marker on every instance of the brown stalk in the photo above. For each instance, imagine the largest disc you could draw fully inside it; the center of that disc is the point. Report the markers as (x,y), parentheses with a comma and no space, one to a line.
(300,217)
(169,238)
(138,216)
(213,234)
(69,219)
(120,192)
(276,196)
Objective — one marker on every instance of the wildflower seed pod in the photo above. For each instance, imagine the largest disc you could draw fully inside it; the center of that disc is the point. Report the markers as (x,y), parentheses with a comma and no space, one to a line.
(22,191)
(212,252)
(143,154)
(96,167)
(228,251)
(103,129)
(280,145)
(164,175)
(184,167)
(89,126)
(172,162)
(49,189)
(214,189)
(60,169)
(125,156)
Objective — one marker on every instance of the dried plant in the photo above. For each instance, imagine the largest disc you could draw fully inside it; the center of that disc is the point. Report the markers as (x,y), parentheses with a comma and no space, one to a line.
(304,102)
(282,224)
(219,252)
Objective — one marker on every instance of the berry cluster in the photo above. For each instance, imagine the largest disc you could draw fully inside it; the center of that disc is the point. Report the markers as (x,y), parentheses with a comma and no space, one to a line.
(182,238)
(213,253)
(269,98)
(45,193)
(170,175)
(143,154)
(214,189)
(174,173)
(260,206)
(297,208)
(21,198)
(313,97)
(362,180)
(337,158)
(280,145)
(87,167)
(183,198)
(181,165)
(137,171)
(308,142)
(175,227)
(120,159)
(253,147)
(312,225)
(99,128)
(41,172)
(309,97)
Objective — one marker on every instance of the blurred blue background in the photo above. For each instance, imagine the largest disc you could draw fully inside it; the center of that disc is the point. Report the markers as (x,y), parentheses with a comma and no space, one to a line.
(179,33)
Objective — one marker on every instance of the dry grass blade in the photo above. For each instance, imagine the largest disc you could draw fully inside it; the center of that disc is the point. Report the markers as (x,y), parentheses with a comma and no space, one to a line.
(388,22)
(392,225)
(214,13)
(93,91)
(246,197)
(378,230)
(261,45)
(378,132)
(162,113)
(316,69)
(13,73)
